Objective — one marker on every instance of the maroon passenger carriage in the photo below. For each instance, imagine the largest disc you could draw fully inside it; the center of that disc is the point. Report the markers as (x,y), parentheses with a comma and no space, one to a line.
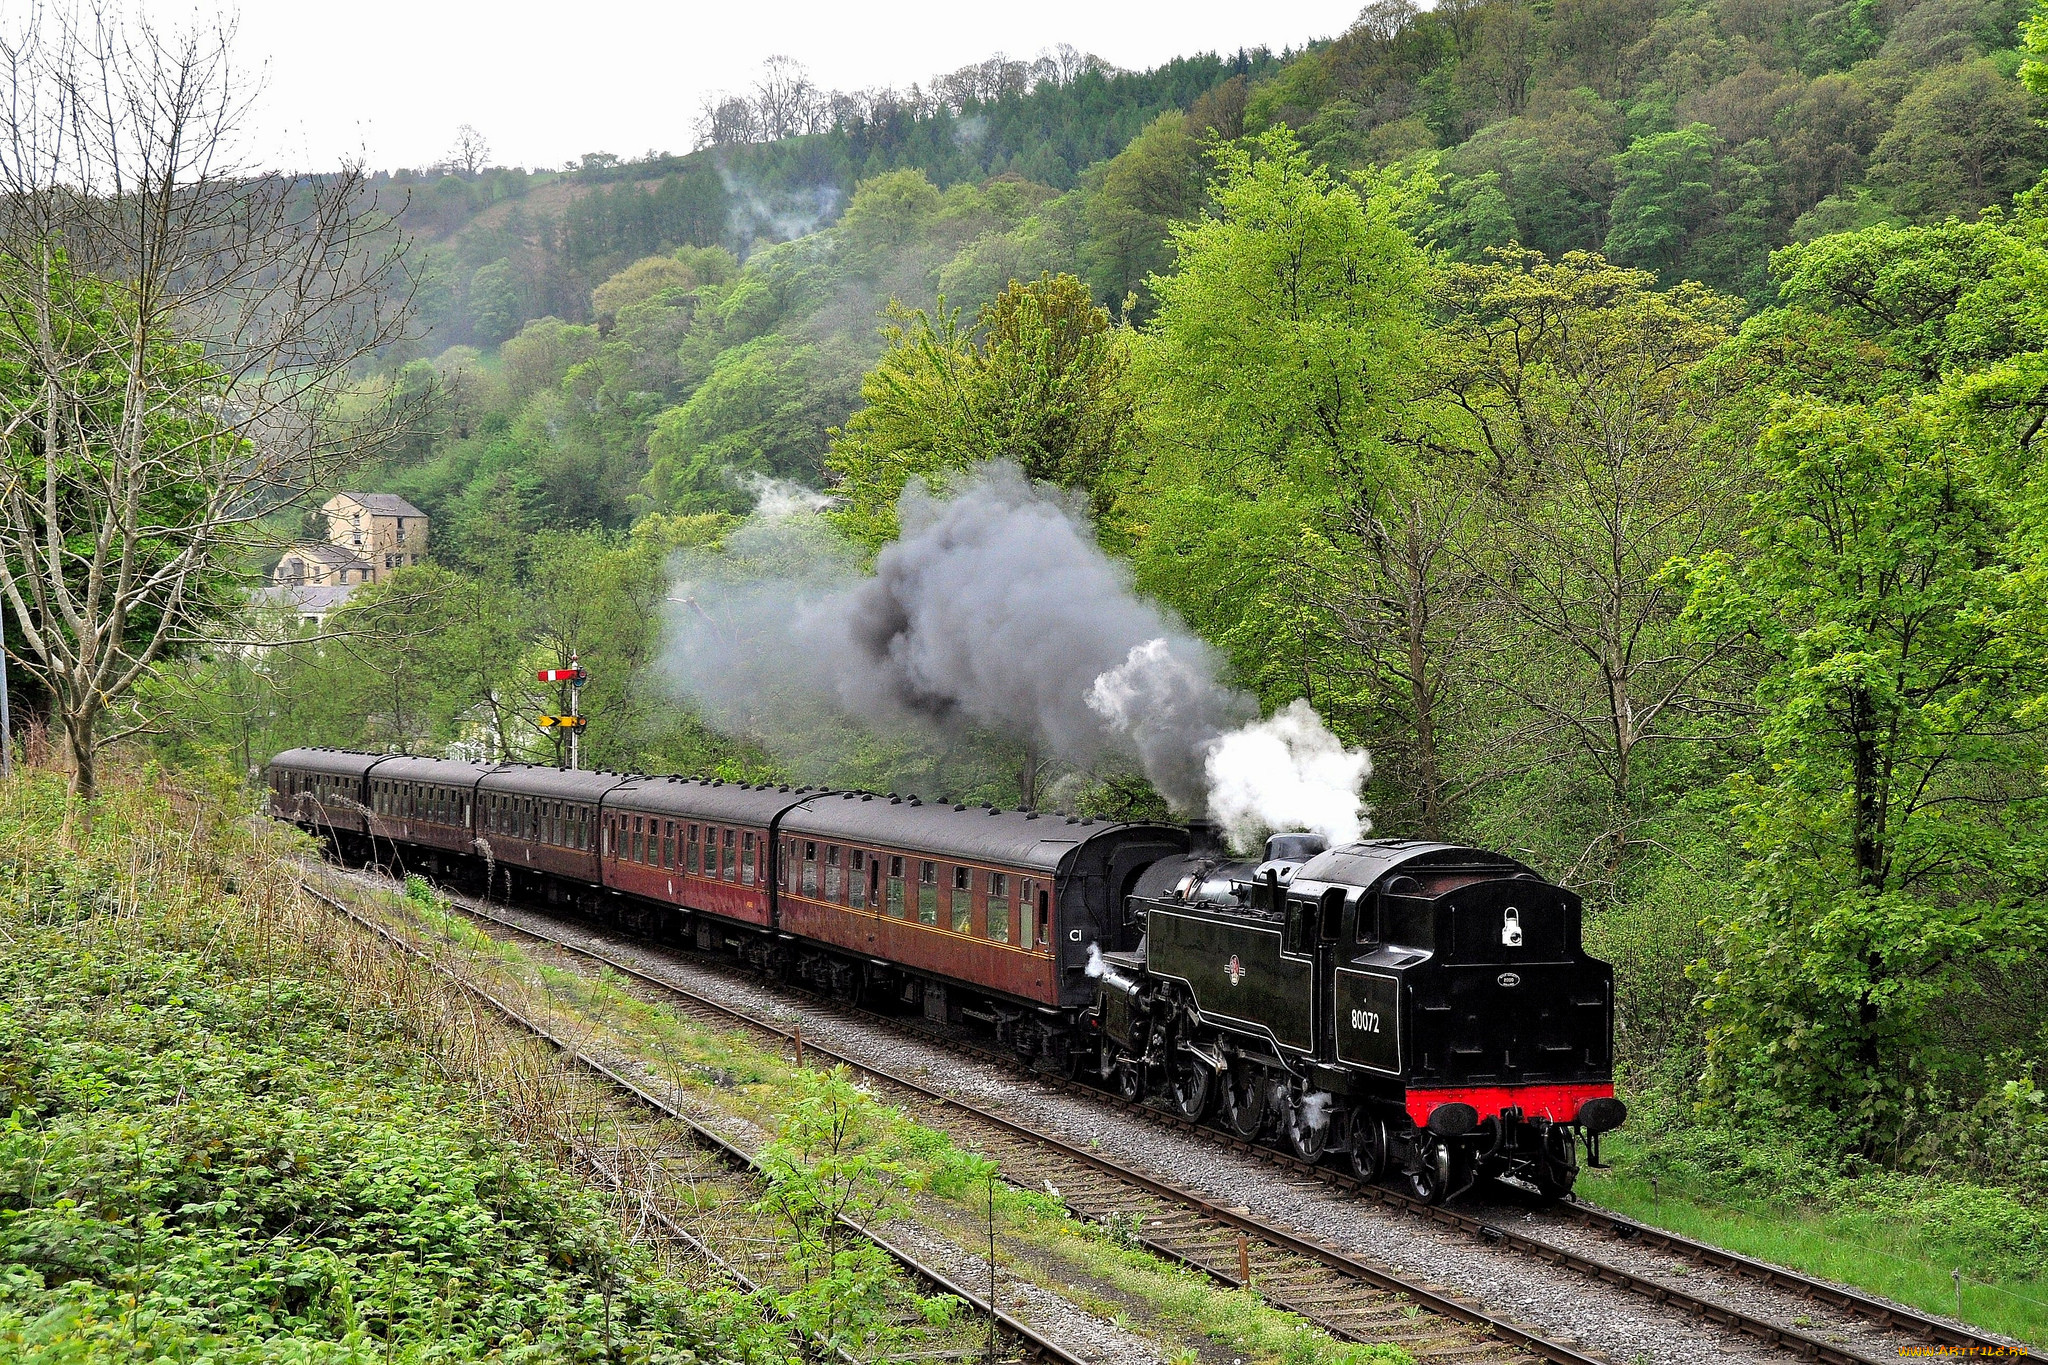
(956,911)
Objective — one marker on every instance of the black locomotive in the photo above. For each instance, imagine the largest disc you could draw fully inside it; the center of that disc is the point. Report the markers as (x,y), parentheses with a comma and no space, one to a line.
(1425,1010)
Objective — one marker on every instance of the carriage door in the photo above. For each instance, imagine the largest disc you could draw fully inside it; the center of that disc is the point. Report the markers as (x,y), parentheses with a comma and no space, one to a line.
(1329,928)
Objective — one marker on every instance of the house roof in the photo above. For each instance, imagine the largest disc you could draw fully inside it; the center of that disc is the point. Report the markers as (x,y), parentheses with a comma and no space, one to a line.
(381,504)
(340,556)
(307,597)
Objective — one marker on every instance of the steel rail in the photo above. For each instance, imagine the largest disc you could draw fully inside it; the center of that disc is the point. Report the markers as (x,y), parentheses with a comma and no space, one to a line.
(1036,1343)
(1273,1235)
(1889,1316)
(1811,1347)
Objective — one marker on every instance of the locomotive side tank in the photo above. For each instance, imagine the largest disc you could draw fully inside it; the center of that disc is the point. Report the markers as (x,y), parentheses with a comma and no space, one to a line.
(1426,1008)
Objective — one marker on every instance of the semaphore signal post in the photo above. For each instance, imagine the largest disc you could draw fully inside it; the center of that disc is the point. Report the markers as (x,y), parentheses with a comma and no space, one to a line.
(574,676)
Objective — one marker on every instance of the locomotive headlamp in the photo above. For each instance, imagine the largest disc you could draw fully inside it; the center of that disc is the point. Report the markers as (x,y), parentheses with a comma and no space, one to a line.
(1452,1120)
(1511,927)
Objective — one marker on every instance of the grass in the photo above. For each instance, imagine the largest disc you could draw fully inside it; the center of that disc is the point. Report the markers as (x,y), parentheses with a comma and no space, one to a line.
(1899,1237)
(229,1141)
(732,1071)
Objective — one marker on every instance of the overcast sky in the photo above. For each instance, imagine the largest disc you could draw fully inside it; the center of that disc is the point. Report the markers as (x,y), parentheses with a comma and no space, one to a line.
(391,79)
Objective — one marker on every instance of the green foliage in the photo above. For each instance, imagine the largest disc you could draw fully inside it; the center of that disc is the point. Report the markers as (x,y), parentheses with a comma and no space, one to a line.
(1283,343)
(827,1178)
(1042,380)
(1902,792)
(211,1155)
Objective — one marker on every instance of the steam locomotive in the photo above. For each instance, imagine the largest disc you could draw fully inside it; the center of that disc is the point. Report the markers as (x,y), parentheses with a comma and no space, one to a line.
(1422,1010)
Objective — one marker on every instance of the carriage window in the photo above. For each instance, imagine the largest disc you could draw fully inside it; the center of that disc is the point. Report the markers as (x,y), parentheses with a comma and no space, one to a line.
(1044,910)
(747,858)
(998,907)
(810,882)
(789,866)
(857,880)
(634,855)
(729,865)
(690,863)
(928,893)
(668,843)
(835,881)
(896,910)
(963,900)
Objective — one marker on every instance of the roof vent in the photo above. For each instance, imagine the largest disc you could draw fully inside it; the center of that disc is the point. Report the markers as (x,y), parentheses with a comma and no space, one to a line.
(867,796)
(1073,820)
(993,811)
(1030,815)
(895,800)
(915,802)
(1087,819)
(960,807)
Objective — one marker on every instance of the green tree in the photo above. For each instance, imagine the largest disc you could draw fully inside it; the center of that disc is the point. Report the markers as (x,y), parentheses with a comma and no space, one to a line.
(496,305)
(766,409)
(1894,827)
(1271,377)
(1568,384)
(2034,37)
(1150,185)
(1042,381)
(1966,137)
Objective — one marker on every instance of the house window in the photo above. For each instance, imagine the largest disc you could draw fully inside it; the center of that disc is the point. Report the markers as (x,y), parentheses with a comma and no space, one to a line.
(928,893)
(998,908)
(963,900)
(355,528)
(401,530)
(387,562)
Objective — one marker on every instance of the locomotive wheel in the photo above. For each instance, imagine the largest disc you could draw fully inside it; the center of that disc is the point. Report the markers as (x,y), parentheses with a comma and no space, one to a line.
(1243,1111)
(1194,1086)
(1130,1079)
(1308,1129)
(1430,1181)
(1368,1148)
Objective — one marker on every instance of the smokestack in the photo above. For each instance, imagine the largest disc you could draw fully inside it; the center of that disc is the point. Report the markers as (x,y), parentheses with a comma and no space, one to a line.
(1205,839)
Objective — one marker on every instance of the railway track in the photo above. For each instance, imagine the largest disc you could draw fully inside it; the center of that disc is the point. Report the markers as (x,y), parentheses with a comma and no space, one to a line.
(1201,1249)
(699,1195)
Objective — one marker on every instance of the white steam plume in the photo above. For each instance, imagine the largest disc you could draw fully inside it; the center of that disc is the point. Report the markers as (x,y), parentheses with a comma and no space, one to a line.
(1288,772)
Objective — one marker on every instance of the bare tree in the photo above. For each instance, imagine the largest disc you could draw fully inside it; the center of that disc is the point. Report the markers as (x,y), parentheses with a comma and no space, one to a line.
(1411,606)
(470,153)
(1575,379)
(174,327)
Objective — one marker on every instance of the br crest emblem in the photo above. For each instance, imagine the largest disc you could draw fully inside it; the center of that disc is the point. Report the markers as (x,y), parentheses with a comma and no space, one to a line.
(1234,970)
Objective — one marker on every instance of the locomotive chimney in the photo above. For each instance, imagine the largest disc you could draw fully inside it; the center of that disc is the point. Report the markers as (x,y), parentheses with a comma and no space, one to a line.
(1205,839)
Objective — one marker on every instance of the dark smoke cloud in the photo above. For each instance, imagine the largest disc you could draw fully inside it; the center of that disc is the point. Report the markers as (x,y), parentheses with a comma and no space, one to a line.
(995,610)
(994,613)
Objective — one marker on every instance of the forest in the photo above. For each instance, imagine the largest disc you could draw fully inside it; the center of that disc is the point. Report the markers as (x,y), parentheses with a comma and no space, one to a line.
(1624,418)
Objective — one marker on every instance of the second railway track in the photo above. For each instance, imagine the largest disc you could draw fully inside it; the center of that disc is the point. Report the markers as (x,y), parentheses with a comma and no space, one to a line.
(1204,1232)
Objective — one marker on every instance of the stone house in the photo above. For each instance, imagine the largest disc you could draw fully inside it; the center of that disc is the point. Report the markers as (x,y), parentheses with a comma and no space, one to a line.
(382,529)
(369,536)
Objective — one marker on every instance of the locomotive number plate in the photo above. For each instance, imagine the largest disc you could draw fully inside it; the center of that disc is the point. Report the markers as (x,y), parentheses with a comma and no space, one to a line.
(1368,1021)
